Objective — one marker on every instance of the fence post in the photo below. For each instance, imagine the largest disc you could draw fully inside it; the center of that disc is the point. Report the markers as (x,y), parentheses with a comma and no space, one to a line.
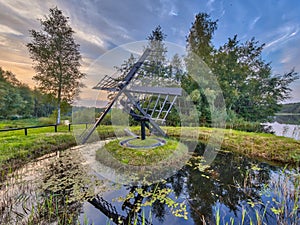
(69,127)
(55,127)
(25,131)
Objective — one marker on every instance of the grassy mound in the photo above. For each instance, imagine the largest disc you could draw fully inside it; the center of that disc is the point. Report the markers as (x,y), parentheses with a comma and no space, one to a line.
(143,156)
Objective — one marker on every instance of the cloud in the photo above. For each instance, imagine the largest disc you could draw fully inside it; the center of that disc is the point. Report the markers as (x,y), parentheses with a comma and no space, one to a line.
(8,30)
(281,36)
(167,8)
(90,38)
(173,12)
(22,70)
(253,23)
(290,56)
(209,5)
(27,9)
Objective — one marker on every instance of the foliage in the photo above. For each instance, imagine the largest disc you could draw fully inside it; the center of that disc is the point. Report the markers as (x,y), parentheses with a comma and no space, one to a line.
(199,55)
(199,40)
(156,196)
(56,57)
(17,100)
(155,67)
(249,88)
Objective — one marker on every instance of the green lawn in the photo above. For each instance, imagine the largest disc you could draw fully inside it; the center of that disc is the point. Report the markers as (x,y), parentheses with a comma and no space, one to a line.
(15,145)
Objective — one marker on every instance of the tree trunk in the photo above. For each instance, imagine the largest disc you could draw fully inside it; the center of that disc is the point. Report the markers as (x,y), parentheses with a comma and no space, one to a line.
(58,114)
(59,91)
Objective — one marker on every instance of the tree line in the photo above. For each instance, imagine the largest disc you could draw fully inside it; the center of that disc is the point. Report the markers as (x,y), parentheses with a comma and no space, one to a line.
(18,100)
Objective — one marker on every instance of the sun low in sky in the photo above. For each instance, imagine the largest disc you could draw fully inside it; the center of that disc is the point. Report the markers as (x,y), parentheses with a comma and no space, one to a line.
(101,25)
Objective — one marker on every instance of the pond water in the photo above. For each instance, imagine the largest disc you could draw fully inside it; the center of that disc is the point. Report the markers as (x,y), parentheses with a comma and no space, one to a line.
(66,188)
(232,189)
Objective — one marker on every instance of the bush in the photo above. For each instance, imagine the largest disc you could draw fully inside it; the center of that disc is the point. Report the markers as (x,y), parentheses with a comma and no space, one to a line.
(47,120)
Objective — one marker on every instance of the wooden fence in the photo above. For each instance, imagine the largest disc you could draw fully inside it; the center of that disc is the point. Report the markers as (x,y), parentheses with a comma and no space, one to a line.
(40,126)
(32,127)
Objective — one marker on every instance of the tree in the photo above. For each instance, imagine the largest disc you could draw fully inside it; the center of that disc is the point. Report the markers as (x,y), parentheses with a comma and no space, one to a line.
(126,66)
(199,54)
(156,66)
(199,40)
(57,58)
(15,97)
(11,102)
(248,86)
(176,71)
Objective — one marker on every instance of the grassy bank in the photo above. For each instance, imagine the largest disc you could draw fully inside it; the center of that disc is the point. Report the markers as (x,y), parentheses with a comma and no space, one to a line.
(262,145)
(16,149)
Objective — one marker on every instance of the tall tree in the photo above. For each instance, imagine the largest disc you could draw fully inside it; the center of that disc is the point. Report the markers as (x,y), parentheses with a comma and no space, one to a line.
(249,88)
(199,54)
(157,59)
(56,58)
(199,40)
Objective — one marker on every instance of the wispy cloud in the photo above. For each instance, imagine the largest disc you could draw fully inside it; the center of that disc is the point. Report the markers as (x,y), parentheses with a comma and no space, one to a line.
(253,23)
(209,5)
(167,8)
(8,30)
(28,9)
(173,12)
(90,38)
(282,35)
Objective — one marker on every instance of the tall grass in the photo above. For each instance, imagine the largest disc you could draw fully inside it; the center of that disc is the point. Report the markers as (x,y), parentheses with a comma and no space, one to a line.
(282,208)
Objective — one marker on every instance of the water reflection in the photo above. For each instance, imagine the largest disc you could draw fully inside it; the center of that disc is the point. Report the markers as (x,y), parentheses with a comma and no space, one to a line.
(229,182)
(232,188)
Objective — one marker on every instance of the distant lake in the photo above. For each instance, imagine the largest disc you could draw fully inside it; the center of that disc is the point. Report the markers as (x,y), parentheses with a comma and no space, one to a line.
(286,125)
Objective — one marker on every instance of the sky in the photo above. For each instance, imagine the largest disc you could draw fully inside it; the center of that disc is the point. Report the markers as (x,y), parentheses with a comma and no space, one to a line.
(102,25)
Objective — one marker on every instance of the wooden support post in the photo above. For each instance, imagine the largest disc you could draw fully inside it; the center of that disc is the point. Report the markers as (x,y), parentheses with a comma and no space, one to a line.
(143,130)
(55,128)
(25,131)
(69,127)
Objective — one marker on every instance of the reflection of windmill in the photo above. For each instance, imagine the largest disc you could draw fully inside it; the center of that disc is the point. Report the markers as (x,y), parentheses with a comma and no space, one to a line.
(132,217)
(148,105)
